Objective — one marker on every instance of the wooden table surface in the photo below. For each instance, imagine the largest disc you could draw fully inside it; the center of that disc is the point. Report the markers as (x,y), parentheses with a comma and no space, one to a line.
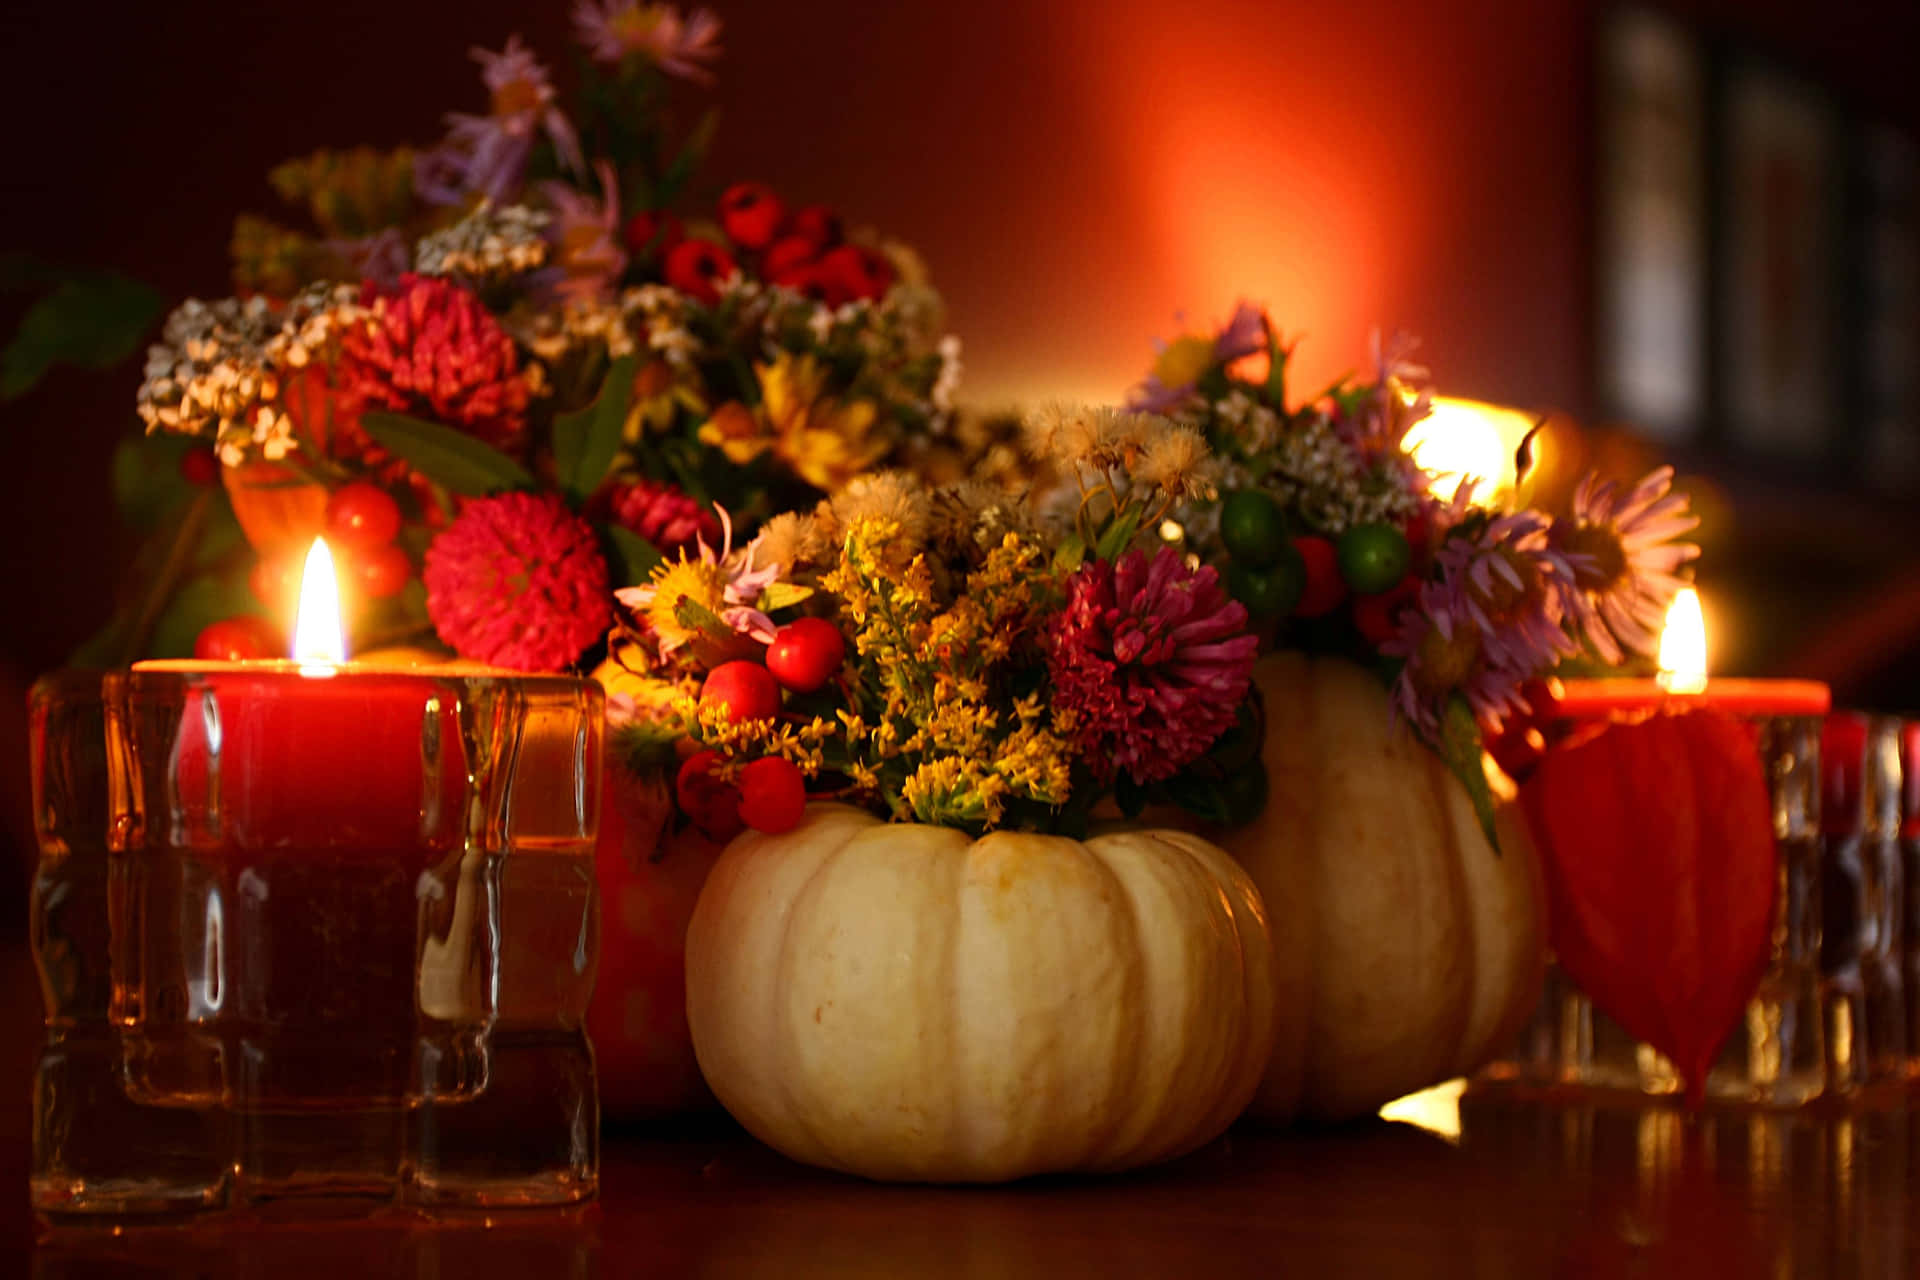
(1526,1188)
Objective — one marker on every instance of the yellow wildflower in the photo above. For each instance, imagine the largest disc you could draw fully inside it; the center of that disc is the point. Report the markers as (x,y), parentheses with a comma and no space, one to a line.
(826,440)
(735,431)
(701,581)
(1184,360)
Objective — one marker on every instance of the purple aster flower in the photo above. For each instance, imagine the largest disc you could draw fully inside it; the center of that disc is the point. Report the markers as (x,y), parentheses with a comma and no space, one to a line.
(487,155)
(612,30)
(1509,583)
(1444,653)
(585,232)
(1183,361)
(1624,564)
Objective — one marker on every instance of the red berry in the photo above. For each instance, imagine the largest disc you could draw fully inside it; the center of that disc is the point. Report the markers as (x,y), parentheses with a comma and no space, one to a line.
(861,272)
(651,233)
(806,653)
(198,467)
(242,638)
(751,214)
(361,515)
(696,268)
(1325,587)
(381,572)
(1419,534)
(785,254)
(275,581)
(812,281)
(818,225)
(747,689)
(1377,616)
(712,805)
(773,795)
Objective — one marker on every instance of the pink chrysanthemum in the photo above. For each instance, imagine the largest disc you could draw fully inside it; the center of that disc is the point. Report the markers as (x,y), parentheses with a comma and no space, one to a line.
(518,581)
(1624,562)
(1155,660)
(432,349)
(661,514)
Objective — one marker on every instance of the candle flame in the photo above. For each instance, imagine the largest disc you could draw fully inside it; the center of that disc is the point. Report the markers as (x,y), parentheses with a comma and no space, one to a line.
(1683,645)
(1464,439)
(318,644)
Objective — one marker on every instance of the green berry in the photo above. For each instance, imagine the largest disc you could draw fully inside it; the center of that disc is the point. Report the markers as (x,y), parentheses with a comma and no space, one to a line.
(1252,528)
(1271,592)
(1373,557)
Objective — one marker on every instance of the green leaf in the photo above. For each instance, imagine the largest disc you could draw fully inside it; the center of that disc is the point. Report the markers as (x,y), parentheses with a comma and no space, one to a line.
(781,595)
(586,441)
(449,458)
(91,321)
(1129,795)
(1117,536)
(682,167)
(1277,355)
(630,557)
(1460,748)
(695,616)
(1071,554)
(147,484)
(201,600)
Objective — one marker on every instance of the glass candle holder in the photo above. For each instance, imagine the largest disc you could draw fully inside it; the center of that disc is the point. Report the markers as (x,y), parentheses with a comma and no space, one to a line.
(344,924)
(1777,1055)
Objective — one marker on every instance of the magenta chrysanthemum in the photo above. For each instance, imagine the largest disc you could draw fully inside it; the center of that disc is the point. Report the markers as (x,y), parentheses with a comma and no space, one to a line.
(1153,659)
(661,514)
(431,348)
(518,581)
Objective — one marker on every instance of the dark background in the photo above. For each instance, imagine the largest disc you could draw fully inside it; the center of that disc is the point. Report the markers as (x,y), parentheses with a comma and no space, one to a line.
(1075,172)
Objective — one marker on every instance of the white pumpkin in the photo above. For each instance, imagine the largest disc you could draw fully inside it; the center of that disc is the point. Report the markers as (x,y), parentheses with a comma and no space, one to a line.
(907,1003)
(1406,951)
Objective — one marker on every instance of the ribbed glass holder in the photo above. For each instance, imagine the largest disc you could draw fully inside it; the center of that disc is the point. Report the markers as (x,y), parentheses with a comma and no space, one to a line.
(1796,1040)
(313,942)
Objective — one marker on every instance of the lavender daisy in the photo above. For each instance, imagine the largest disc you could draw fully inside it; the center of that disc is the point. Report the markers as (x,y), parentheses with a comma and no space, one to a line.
(1444,652)
(612,30)
(1185,360)
(1509,584)
(1623,561)
(487,155)
(587,257)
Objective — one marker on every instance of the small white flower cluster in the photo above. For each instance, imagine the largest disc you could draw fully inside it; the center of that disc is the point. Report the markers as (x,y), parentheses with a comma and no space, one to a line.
(488,246)
(1319,474)
(581,322)
(215,370)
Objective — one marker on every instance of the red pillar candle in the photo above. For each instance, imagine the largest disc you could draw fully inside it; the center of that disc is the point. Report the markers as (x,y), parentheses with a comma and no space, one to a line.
(1631,699)
(267,757)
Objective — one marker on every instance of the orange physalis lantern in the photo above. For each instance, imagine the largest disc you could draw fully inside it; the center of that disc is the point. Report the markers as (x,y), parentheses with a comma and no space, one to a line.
(1657,842)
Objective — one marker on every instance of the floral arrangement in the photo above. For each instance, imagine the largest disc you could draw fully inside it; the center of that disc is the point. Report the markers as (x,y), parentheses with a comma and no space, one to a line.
(1336,540)
(954,655)
(509,372)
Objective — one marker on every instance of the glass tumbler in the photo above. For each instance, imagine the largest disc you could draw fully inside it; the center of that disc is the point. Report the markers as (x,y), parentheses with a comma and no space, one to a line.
(347,925)
(1777,1054)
